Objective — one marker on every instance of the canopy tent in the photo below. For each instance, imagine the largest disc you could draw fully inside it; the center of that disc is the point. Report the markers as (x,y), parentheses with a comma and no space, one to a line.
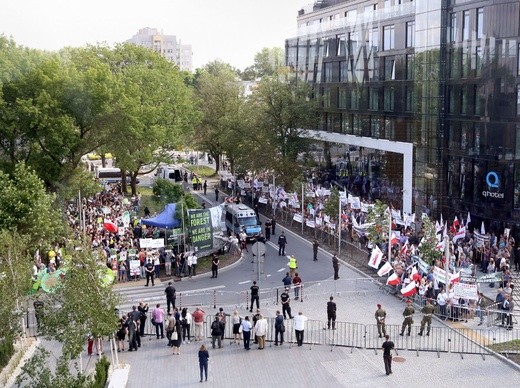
(164,220)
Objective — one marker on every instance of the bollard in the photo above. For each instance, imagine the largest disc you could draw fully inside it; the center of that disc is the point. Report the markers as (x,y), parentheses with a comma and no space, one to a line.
(277,292)
(180,300)
(301,292)
(214,299)
(247,301)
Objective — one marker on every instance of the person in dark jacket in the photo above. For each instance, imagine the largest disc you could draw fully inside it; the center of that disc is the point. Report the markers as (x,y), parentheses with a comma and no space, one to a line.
(203,362)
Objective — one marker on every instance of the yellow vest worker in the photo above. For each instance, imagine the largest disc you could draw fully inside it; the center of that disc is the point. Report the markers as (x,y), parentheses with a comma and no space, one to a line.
(292,266)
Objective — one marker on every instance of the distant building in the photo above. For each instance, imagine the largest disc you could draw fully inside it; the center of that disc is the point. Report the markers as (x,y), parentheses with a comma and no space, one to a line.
(167,45)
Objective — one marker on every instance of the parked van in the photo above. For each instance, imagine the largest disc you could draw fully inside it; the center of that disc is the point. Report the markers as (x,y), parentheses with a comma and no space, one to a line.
(108,174)
(169,173)
(241,217)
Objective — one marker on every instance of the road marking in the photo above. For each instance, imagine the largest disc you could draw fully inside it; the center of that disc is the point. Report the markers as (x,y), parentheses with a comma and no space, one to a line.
(268,275)
(202,289)
(247,281)
(281,270)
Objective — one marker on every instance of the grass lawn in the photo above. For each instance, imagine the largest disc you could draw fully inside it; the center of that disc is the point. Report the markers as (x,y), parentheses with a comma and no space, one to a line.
(202,171)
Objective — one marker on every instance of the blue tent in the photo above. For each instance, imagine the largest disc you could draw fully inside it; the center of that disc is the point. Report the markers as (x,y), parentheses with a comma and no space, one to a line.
(164,220)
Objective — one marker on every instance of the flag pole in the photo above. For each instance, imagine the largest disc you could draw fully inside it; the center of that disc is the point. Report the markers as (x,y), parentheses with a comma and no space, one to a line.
(303,200)
(339,224)
(390,236)
(447,257)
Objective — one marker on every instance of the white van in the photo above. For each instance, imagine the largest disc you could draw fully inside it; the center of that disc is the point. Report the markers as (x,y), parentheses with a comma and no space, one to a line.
(169,173)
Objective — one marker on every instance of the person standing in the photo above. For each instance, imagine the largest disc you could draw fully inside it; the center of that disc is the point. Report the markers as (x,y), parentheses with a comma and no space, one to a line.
(480,307)
(282,242)
(299,327)
(297,284)
(236,320)
(216,193)
(203,362)
(186,320)
(331,313)
(216,332)
(442,300)
(171,295)
(261,331)
(192,264)
(335,266)
(198,320)
(214,266)
(268,230)
(286,306)
(279,328)
(170,327)
(255,296)
(427,311)
(246,332)
(509,311)
(143,309)
(287,281)
(273,226)
(149,269)
(158,317)
(205,186)
(380,316)
(387,347)
(176,338)
(292,265)
(132,332)
(315,246)
(222,316)
(408,317)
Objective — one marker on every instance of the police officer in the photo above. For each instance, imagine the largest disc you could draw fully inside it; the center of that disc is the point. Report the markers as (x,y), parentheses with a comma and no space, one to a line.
(335,266)
(331,313)
(292,266)
(380,316)
(282,242)
(149,269)
(408,317)
(268,230)
(427,311)
(315,245)
(286,307)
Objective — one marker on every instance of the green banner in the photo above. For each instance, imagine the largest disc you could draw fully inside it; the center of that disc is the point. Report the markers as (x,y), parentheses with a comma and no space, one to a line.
(200,228)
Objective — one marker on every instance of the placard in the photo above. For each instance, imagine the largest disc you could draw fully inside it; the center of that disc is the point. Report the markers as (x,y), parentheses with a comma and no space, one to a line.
(153,243)
(465,291)
(200,228)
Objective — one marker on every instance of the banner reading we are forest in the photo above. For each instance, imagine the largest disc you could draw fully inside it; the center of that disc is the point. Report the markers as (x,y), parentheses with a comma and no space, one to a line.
(200,228)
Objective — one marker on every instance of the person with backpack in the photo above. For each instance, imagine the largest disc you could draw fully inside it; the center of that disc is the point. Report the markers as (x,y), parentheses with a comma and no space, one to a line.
(216,332)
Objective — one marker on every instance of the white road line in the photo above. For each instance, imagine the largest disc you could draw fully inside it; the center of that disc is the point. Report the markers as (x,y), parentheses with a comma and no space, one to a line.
(247,281)
(202,289)
(281,270)
(268,275)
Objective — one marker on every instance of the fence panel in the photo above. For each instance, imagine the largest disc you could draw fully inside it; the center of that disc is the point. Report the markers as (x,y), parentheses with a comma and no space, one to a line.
(346,334)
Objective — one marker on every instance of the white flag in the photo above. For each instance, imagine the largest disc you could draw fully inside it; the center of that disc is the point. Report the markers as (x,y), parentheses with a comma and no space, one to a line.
(482,228)
(375,257)
(387,267)
(468,220)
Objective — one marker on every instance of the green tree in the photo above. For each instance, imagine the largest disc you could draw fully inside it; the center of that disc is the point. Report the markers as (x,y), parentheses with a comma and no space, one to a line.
(220,99)
(268,62)
(280,112)
(156,107)
(378,216)
(427,249)
(25,207)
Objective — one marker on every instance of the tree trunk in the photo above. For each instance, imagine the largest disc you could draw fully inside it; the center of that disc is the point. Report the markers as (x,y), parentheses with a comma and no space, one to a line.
(133,183)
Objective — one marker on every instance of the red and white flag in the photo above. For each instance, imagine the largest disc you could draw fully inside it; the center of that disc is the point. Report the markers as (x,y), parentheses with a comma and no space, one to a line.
(415,274)
(393,280)
(375,257)
(468,220)
(455,226)
(405,248)
(387,267)
(455,277)
(440,245)
(409,290)
(394,240)
(460,234)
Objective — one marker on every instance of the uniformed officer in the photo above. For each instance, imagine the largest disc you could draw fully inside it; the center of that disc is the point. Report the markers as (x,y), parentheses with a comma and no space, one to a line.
(292,266)
(282,242)
(408,317)
(380,320)
(286,306)
(427,310)
(268,230)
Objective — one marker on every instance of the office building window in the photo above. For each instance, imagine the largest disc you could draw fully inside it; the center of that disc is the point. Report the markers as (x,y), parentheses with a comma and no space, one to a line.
(389,129)
(466,62)
(476,101)
(373,99)
(353,43)
(389,99)
(343,71)
(480,23)
(388,37)
(327,72)
(346,123)
(478,61)
(374,38)
(454,63)
(409,99)
(342,98)
(518,100)
(410,34)
(465,26)
(410,66)
(326,97)
(518,60)
(374,128)
(453,27)
(464,101)
(341,43)
(354,99)
(389,68)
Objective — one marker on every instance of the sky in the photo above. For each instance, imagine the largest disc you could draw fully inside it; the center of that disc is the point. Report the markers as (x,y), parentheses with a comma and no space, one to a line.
(230,30)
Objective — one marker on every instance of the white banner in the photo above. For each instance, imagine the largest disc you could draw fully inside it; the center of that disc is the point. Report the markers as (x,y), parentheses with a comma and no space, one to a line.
(310,224)
(151,243)
(134,268)
(262,200)
(298,217)
(465,291)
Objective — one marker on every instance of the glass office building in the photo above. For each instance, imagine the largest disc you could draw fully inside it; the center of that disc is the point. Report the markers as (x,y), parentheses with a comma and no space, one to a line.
(441,76)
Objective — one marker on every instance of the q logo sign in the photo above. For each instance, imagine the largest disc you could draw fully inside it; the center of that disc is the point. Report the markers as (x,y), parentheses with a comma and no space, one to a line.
(493,182)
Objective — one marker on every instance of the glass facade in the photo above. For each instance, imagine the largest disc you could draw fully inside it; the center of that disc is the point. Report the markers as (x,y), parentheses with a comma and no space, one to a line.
(443,75)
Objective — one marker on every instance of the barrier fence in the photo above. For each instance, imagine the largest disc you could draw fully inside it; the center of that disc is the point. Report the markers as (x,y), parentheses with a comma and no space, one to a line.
(361,336)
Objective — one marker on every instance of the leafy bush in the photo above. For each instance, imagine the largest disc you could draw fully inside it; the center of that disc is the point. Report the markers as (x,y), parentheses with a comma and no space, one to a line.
(6,351)
(100,379)
(165,191)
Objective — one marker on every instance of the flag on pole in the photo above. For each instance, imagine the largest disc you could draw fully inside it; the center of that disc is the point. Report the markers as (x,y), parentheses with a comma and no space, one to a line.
(409,290)
(415,274)
(445,233)
(375,257)
(405,248)
(394,240)
(460,234)
(455,225)
(438,227)
(482,228)
(442,222)
(387,267)
(393,280)
(455,278)
(468,220)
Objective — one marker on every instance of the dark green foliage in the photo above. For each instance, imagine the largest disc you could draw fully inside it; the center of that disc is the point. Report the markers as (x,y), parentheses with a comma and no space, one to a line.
(100,379)
(6,351)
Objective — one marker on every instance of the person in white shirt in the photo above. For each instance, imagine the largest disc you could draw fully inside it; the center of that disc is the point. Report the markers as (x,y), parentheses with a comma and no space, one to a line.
(299,327)
(260,330)
(192,264)
(442,299)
